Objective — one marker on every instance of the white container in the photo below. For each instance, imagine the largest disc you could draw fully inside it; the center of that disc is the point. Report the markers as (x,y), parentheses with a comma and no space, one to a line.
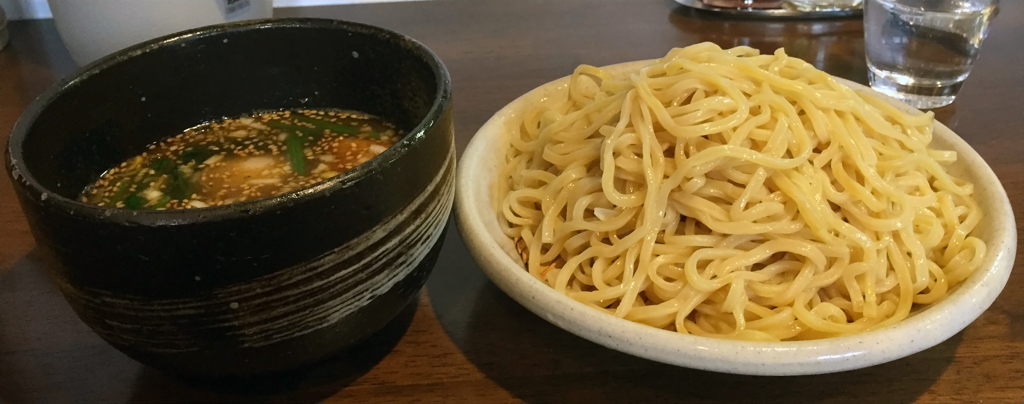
(95,28)
(497,256)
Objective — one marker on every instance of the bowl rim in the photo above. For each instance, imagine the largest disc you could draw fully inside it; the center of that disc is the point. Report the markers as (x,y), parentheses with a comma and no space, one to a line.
(940,321)
(22,177)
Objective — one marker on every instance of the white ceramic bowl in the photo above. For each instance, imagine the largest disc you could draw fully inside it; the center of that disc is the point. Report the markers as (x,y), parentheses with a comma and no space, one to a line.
(497,256)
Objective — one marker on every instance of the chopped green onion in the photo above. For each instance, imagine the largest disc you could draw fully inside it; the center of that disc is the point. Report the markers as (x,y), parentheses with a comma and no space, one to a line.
(122,191)
(288,128)
(179,188)
(146,181)
(162,166)
(134,202)
(162,202)
(295,156)
(374,135)
(321,125)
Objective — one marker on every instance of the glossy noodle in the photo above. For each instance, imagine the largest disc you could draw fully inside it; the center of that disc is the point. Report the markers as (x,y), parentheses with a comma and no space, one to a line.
(729,194)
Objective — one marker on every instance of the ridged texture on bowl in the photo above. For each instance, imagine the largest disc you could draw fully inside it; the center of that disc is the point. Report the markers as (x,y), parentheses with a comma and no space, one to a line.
(285,304)
(258,286)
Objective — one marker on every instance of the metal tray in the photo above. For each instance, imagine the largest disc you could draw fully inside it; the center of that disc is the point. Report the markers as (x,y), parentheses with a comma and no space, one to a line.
(777,13)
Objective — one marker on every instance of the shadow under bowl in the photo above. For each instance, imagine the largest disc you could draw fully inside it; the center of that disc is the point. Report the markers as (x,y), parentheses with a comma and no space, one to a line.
(254,287)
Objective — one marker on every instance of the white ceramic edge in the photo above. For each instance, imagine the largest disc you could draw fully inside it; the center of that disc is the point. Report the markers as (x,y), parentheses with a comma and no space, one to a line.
(496,255)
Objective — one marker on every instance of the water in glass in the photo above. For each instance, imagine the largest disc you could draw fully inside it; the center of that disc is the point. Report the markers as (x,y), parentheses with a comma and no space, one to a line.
(921,51)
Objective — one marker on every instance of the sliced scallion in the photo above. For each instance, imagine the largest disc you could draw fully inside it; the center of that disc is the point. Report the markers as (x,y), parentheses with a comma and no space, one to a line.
(288,128)
(162,202)
(134,202)
(122,191)
(179,187)
(162,166)
(295,154)
(321,125)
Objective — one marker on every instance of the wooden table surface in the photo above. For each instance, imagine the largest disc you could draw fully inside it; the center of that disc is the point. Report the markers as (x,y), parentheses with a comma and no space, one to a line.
(465,341)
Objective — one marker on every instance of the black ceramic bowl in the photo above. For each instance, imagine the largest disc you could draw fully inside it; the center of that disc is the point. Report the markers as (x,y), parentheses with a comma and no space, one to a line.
(253,287)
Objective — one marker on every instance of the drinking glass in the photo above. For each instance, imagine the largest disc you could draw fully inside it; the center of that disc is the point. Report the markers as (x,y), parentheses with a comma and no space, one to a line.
(921,51)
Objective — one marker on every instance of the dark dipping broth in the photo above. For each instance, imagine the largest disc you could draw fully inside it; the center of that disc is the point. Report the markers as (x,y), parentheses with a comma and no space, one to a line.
(239,159)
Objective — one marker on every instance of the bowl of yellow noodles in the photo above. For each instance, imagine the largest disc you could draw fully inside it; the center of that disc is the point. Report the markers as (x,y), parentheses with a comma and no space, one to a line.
(725,210)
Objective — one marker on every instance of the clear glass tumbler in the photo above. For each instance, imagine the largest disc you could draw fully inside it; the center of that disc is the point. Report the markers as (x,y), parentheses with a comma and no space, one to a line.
(921,51)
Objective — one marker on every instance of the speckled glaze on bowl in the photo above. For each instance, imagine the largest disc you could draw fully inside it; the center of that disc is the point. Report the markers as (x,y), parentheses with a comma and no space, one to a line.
(497,257)
(259,286)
